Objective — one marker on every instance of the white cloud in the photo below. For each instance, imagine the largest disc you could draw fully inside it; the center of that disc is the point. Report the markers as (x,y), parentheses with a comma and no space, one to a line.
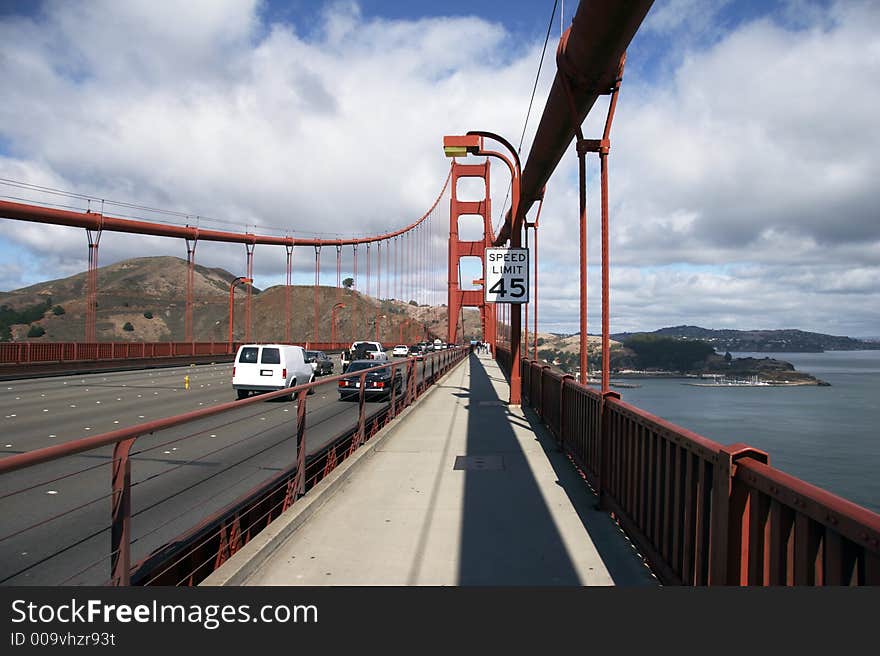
(742,178)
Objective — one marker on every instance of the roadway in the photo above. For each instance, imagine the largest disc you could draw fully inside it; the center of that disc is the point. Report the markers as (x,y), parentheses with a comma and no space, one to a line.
(55,517)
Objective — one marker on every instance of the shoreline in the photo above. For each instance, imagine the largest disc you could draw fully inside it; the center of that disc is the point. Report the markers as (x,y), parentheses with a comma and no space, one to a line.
(811,382)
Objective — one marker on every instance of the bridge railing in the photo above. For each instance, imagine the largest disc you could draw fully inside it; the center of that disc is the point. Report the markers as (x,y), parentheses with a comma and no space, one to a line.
(700,512)
(95,531)
(18,353)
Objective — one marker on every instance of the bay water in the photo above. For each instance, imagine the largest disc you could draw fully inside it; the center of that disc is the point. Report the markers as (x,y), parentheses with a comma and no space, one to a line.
(827,436)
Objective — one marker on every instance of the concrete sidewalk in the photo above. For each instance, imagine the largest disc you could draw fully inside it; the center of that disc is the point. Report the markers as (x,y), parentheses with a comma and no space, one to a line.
(465,491)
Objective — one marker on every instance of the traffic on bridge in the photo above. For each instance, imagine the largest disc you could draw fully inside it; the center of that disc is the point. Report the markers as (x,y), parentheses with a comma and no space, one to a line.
(448,454)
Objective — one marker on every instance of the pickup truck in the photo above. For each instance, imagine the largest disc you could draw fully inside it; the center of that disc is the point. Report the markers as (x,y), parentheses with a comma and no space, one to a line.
(363,350)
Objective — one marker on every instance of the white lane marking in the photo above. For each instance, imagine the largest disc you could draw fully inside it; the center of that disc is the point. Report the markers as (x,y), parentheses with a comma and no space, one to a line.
(115,421)
(139,396)
(262,419)
(140,416)
(53,435)
(45,409)
(51,491)
(8,446)
(10,416)
(87,428)
(118,399)
(98,402)
(213,435)
(166,452)
(9,388)
(72,405)
(18,398)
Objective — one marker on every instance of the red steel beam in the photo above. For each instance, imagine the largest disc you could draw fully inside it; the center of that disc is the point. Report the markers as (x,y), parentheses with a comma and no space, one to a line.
(96,221)
(600,33)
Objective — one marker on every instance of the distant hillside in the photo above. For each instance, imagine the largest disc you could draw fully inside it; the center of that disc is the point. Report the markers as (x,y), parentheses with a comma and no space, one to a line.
(149,295)
(761,341)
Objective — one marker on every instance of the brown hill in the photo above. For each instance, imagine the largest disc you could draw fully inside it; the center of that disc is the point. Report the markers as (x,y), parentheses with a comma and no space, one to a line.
(150,294)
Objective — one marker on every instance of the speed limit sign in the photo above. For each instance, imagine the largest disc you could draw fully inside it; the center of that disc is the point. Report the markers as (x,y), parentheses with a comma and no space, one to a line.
(506,275)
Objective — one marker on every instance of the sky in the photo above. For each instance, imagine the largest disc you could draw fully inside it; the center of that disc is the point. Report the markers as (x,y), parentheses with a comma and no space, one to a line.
(743,168)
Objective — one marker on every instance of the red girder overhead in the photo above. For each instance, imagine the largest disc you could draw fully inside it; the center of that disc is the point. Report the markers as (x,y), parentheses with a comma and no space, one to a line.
(95,221)
(600,33)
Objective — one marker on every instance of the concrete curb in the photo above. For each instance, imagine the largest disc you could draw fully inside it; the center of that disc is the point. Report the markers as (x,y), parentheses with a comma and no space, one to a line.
(239,568)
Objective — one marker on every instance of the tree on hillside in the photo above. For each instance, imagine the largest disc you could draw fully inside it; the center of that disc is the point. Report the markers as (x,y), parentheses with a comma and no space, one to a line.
(36,331)
(128,327)
(668,353)
(348,283)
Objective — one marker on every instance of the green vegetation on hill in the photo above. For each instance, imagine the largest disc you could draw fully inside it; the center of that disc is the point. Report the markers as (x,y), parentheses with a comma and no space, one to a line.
(10,317)
(781,341)
(669,354)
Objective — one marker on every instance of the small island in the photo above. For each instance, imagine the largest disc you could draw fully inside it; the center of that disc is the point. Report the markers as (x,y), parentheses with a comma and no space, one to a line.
(646,355)
(696,359)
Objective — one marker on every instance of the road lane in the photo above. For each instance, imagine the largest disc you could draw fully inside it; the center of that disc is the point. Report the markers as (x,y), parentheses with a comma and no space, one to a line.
(179,476)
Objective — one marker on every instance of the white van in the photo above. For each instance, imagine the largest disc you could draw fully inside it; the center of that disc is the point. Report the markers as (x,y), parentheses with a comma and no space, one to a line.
(269,367)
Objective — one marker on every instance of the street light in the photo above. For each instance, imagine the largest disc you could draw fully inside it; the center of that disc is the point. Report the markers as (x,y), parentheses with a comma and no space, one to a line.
(472,143)
(333,322)
(379,316)
(232,285)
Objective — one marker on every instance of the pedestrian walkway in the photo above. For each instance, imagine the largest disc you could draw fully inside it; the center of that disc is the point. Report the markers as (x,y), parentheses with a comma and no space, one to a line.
(464,491)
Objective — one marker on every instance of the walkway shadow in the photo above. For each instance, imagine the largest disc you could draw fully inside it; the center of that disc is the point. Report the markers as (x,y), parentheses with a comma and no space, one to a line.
(508,534)
(620,557)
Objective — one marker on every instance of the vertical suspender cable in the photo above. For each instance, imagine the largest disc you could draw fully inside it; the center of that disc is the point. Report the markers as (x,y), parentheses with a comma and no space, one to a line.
(317,283)
(288,292)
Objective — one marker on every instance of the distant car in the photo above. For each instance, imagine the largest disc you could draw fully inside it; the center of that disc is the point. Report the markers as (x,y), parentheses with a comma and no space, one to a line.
(417,351)
(377,384)
(269,367)
(368,351)
(321,363)
(362,350)
(400,350)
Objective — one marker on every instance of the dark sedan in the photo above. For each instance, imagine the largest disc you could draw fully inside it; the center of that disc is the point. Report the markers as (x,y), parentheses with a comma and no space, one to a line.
(377,383)
(321,363)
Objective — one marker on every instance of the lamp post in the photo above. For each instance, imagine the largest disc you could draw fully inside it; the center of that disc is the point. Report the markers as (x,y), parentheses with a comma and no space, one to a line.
(472,143)
(232,285)
(379,316)
(333,322)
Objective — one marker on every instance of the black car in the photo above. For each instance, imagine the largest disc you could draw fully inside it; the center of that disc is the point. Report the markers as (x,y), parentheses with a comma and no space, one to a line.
(377,384)
(323,365)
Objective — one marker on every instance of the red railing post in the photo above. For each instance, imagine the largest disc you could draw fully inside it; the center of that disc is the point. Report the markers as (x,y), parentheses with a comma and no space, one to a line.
(410,382)
(299,482)
(729,529)
(120,528)
(604,447)
(561,436)
(392,409)
(361,436)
